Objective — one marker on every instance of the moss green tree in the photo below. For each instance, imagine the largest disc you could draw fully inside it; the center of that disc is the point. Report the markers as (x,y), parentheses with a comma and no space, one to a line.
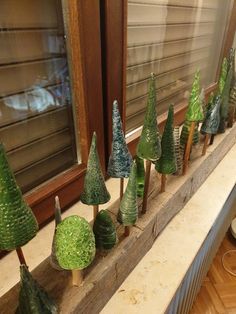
(104,231)
(167,163)
(18,224)
(128,211)
(95,191)
(149,146)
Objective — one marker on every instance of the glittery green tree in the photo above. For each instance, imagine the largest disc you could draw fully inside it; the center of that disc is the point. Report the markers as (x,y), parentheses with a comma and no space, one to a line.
(120,159)
(32,298)
(195,112)
(95,191)
(104,231)
(18,224)
(149,146)
(167,163)
(224,108)
(140,176)
(223,75)
(75,245)
(128,211)
(211,122)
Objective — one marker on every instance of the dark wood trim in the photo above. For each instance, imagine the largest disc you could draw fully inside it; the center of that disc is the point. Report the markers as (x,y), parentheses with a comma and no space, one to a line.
(113,16)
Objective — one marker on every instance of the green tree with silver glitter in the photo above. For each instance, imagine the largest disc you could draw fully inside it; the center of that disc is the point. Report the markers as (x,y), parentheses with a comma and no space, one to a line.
(75,243)
(167,163)
(128,211)
(32,298)
(149,146)
(120,159)
(18,224)
(95,191)
(104,231)
(212,119)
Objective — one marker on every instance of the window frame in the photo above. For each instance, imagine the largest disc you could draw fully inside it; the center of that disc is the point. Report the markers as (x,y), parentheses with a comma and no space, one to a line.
(83,26)
(116,19)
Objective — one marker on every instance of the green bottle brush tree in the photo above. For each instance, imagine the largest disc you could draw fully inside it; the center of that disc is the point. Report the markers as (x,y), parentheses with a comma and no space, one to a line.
(149,145)
(18,224)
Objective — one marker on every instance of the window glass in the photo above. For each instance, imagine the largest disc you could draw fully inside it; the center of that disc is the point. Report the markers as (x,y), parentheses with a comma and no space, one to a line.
(36,120)
(172,39)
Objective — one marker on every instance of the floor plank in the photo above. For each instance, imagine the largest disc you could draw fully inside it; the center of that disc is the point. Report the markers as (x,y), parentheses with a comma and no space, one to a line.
(218,292)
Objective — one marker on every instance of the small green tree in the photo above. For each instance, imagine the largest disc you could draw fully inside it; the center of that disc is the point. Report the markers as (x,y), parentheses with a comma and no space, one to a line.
(75,243)
(167,163)
(212,119)
(149,146)
(18,224)
(185,132)
(95,191)
(128,211)
(178,150)
(120,159)
(32,298)
(104,231)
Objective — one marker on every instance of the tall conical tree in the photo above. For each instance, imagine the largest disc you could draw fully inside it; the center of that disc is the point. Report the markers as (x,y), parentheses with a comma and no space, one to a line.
(104,231)
(225,100)
(32,298)
(167,163)
(194,115)
(149,146)
(75,245)
(18,224)
(95,191)
(120,159)
(223,75)
(195,112)
(140,176)
(128,211)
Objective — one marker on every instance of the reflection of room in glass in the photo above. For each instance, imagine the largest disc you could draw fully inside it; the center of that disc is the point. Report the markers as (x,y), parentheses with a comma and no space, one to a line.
(35,95)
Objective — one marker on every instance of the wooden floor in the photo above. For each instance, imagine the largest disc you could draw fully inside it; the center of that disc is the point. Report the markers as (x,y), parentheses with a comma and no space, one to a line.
(218,291)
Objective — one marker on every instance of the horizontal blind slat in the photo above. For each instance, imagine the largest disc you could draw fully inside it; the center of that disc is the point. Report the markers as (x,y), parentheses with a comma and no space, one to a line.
(30,130)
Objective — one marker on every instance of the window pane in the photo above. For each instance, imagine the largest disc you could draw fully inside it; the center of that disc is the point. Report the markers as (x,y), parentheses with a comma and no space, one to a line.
(172,39)
(36,120)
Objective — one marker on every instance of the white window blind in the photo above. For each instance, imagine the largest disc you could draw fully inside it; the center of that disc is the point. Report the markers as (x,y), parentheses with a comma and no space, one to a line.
(36,121)
(172,39)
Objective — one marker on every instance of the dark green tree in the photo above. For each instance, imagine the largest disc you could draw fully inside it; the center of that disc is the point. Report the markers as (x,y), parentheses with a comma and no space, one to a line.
(18,224)
(75,243)
(140,176)
(167,163)
(32,298)
(128,211)
(212,119)
(149,146)
(224,108)
(95,191)
(104,231)
(120,159)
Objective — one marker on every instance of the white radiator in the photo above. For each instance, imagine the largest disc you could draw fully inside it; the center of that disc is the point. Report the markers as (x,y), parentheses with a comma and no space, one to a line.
(190,286)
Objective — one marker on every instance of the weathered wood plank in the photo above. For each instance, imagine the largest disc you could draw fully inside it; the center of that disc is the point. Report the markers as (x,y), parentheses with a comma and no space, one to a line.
(107,272)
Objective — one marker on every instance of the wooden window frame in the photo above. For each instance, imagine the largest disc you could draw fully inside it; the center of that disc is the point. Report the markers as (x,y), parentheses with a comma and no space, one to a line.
(83,24)
(114,71)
